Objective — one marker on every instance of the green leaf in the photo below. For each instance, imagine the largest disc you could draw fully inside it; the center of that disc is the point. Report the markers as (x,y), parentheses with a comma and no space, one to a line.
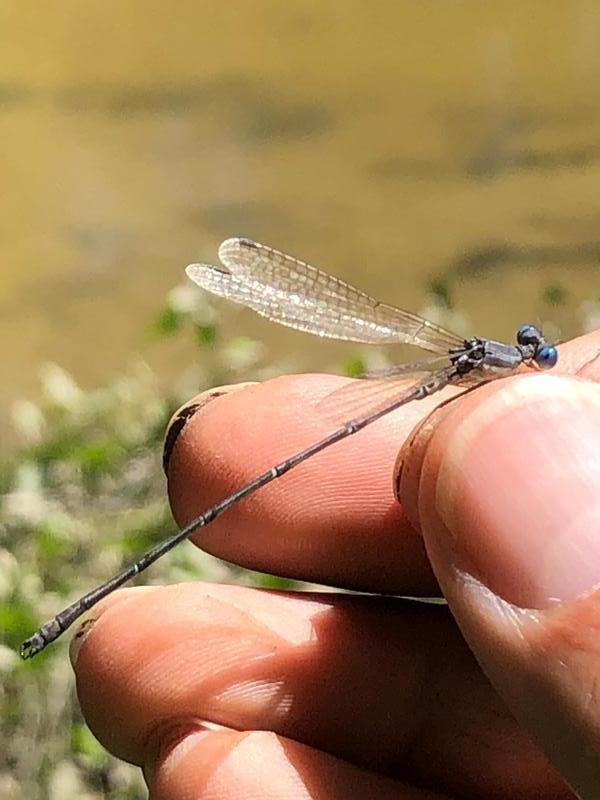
(16,621)
(555,295)
(98,456)
(205,335)
(354,367)
(51,542)
(84,742)
(440,290)
(169,322)
(265,581)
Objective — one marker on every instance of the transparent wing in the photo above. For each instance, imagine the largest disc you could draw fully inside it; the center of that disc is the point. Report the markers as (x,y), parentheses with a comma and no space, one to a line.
(293,293)
(376,389)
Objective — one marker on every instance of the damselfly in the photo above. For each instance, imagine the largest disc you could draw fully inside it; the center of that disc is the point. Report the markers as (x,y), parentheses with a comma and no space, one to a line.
(291,292)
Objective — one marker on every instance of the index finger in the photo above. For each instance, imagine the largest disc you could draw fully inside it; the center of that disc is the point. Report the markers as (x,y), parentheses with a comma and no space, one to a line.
(333,519)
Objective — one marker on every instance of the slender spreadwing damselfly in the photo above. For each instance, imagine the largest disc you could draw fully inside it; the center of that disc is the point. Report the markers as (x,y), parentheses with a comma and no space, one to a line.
(292,293)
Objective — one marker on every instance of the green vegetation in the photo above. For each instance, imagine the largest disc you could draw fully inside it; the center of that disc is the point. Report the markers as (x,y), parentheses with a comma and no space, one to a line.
(81,497)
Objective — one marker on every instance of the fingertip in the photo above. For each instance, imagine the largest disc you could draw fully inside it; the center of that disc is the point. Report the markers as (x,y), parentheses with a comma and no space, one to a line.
(184,414)
(86,624)
(219,413)
(232,436)
(507,486)
(311,522)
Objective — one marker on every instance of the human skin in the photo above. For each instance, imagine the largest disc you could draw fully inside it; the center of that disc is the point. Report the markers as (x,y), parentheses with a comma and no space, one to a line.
(492,499)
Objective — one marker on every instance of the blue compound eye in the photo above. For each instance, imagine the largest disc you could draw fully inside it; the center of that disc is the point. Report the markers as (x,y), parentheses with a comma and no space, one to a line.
(546,356)
(528,334)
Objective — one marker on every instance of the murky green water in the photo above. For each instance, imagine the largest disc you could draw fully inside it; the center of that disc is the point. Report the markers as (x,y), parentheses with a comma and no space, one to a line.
(394,143)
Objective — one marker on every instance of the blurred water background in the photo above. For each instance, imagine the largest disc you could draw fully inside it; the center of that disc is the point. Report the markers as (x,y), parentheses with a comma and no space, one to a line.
(443,156)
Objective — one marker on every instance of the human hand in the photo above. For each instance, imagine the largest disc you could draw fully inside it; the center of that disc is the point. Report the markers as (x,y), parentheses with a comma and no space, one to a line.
(226,692)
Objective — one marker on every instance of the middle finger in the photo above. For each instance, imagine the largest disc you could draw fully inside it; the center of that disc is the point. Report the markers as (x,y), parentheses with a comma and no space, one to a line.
(385,684)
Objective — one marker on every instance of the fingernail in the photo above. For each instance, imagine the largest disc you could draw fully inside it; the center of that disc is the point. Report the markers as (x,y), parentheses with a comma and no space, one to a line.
(84,628)
(183,415)
(79,638)
(518,491)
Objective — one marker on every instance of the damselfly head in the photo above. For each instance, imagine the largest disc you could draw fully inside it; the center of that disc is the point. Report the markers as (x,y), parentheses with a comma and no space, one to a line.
(535,348)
